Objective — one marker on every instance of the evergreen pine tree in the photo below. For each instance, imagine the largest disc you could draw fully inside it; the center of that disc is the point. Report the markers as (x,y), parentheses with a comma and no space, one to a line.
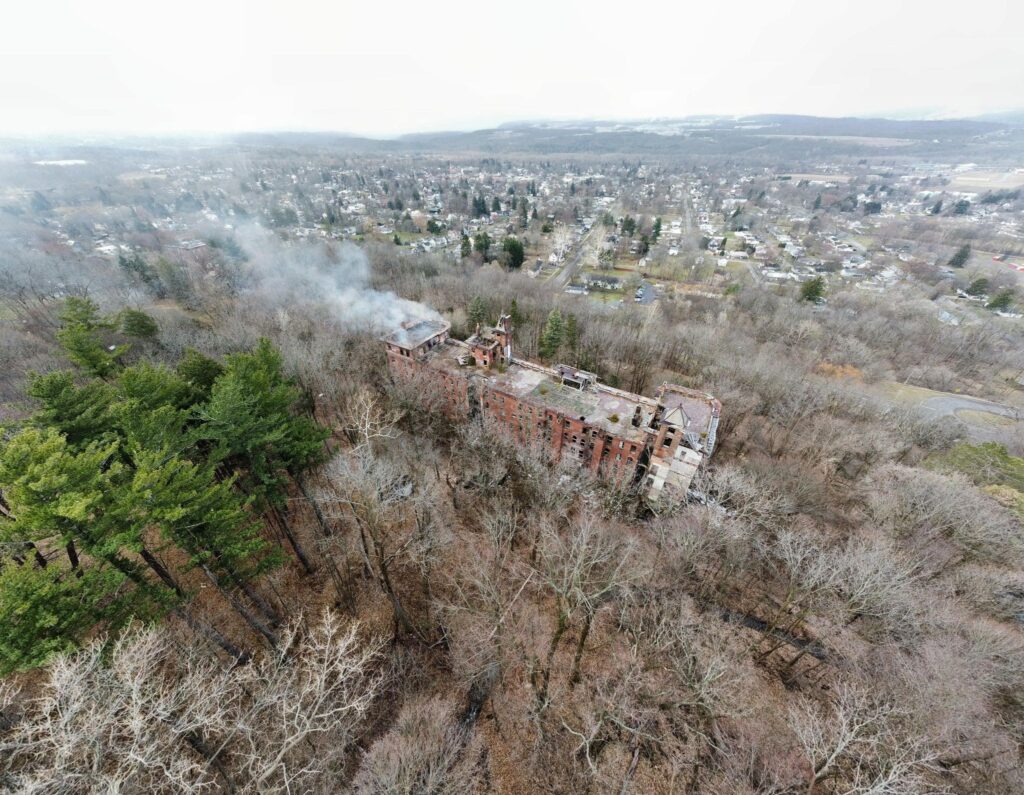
(199,373)
(514,252)
(80,337)
(252,421)
(978,287)
(572,336)
(81,413)
(959,259)
(813,290)
(1002,301)
(477,312)
(552,336)
(137,324)
(50,610)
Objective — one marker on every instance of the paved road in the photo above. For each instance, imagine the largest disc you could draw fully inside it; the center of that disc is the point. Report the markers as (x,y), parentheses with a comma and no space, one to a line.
(563,278)
(949,405)
(941,405)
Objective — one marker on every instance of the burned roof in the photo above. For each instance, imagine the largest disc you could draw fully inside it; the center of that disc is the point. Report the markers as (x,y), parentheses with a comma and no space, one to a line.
(579,395)
(414,333)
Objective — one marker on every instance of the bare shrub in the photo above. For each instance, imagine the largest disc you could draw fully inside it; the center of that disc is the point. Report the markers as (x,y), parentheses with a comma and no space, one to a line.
(425,752)
(926,506)
(876,582)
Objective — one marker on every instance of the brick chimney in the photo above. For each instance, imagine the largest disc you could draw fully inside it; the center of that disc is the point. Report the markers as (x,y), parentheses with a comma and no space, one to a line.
(504,329)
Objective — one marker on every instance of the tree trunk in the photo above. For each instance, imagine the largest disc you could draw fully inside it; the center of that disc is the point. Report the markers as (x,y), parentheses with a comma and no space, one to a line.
(631,770)
(264,607)
(325,530)
(241,609)
(563,624)
(401,617)
(72,553)
(212,758)
(300,553)
(161,572)
(787,635)
(574,677)
(41,560)
(241,657)
(341,583)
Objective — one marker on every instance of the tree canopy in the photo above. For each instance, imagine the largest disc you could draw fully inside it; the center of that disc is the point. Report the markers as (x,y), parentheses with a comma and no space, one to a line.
(128,468)
(514,252)
(813,289)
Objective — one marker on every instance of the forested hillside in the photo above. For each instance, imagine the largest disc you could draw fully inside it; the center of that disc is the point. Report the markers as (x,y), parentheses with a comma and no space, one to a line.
(237,558)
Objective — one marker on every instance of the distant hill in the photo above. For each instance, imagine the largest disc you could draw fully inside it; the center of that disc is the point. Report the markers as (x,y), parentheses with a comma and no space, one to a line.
(769,138)
(1004,117)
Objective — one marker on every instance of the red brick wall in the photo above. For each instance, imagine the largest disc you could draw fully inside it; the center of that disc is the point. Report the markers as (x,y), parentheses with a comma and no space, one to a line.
(563,437)
(606,455)
(451,387)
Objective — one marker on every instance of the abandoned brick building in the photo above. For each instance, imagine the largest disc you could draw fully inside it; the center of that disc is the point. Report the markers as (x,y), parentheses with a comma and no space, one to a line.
(659,442)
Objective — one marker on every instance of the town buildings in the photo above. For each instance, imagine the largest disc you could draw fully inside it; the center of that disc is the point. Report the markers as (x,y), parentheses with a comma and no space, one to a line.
(567,413)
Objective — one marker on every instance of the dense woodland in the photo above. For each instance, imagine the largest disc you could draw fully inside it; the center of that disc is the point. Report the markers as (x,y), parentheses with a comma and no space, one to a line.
(237,558)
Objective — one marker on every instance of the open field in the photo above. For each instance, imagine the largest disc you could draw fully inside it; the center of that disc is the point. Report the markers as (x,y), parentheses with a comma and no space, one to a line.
(607,296)
(988,180)
(820,177)
(860,140)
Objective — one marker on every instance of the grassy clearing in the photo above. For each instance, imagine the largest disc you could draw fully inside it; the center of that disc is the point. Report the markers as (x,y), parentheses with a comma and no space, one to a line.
(987,464)
(907,393)
(986,418)
(607,296)
(988,180)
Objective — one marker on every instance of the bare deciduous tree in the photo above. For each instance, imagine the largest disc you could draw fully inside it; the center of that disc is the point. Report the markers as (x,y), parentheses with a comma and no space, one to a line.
(857,747)
(151,717)
(391,516)
(929,507)
(584,566)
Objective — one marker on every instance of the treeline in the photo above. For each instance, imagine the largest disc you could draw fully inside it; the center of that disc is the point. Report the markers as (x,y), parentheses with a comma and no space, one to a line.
(131,480)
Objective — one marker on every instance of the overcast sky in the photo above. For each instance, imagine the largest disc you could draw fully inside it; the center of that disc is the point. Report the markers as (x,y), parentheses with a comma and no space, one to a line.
(389,66)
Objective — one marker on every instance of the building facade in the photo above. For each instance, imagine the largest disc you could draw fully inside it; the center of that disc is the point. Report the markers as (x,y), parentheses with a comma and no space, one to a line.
(567,413)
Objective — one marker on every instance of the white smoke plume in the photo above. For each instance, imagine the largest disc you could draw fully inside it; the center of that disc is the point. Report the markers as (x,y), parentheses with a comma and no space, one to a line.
(335,275)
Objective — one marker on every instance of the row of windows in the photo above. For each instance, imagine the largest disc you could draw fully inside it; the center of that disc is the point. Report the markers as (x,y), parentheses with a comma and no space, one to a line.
(530,423)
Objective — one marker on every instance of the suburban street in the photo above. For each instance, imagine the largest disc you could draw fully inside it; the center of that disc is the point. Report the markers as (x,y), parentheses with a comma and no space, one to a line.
(561,280)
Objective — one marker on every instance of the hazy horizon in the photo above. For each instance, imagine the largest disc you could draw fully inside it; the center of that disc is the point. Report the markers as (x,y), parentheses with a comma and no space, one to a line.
(110,68)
